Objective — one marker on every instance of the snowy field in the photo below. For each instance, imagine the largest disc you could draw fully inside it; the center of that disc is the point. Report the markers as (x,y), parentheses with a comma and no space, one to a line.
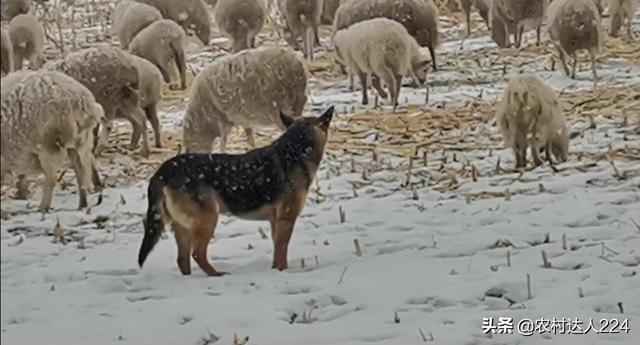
(382,253)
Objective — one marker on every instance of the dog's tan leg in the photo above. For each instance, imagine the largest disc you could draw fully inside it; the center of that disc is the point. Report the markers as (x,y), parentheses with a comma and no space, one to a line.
(284,229)
(201,238)
(183,239)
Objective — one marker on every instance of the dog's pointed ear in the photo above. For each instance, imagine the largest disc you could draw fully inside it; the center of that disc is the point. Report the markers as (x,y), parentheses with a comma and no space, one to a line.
(325,118)
(286,119)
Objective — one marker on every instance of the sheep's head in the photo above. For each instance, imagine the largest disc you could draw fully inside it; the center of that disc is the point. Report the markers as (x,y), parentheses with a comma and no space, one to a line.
(129,100)
(419,69)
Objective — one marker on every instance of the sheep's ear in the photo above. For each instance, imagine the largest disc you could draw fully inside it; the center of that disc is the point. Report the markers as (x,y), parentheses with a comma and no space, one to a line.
(422,63)
(286,119)
(325,118)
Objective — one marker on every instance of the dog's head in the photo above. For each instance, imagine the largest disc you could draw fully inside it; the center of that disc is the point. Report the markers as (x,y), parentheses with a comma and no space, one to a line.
(317,128)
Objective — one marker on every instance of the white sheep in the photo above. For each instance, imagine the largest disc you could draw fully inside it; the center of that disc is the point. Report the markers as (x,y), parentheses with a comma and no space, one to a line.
(192,15)
(111,76)
(247,89)
(574,25)
(621,11)
(6,48)
(12,8)
(47,120)
(27,38)
(129,17)
(240,20)
(419,17)
(382,48)
(150,87)
(302,18)
(529,115)
(162,43)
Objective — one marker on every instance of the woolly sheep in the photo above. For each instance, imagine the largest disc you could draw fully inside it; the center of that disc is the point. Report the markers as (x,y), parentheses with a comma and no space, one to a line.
(192,15)
(27,38)
(129,17)
(419,17)
(382,48)
(517,15)
(483,7)
(150,87)
(162,43)
(241,20)
(575,25)
(12,8)
(111,76)
(329,8)
(621,11)
(47,119)
(529,115)
(302,18)
(6,59)
(247,89)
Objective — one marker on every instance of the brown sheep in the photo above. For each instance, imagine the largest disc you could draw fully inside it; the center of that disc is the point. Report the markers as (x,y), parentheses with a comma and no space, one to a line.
(192,15)
(12,8)
(47,119)
(240,20)
(529,115)
(575,25)
(27,38)
(517,15)
(111,76)
(419,17)
(129,17)
(150,86)
(162,43)
(302,18)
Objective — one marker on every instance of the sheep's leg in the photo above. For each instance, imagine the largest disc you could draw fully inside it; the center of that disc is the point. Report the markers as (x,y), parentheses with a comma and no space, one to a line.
(563,59)
(139,123)
(152,115)
(629,32)
(390,81)
(468,15)
(592,54)
(535,152)
(17,60)
(103,138)
(538,35)
(308,42)
(81,166)
(547,153)
(22,186)
(518,35)
(398,85)
(250,137)
(573,68)
(95,175)
(48,185)
(433,57)
(351,82)
(375,82)
(363,85)
(316,35)
(521,156)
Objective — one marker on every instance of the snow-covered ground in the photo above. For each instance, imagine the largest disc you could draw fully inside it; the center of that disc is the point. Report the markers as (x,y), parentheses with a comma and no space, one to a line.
(434,258)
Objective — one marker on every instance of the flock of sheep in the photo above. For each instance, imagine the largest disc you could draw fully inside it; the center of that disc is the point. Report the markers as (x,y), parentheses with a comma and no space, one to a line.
(59,114)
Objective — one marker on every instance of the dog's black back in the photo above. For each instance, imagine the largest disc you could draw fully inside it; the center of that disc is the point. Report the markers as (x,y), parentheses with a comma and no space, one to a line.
(247,181)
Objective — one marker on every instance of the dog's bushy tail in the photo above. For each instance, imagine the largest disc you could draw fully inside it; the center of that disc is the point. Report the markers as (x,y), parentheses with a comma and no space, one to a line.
(153,222)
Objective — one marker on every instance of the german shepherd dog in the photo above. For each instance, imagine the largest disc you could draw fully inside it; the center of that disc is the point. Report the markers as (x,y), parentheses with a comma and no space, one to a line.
(269,183)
